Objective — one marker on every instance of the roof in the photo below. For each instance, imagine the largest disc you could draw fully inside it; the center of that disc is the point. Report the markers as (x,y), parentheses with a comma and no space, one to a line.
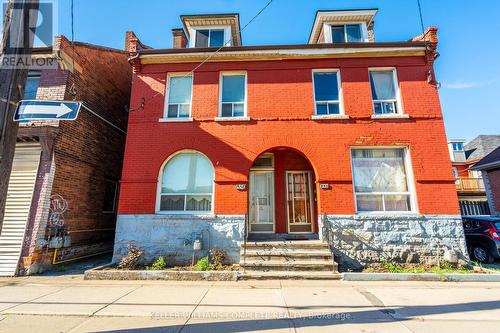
(281,52)
(344,15)
(490,161)
(481,146)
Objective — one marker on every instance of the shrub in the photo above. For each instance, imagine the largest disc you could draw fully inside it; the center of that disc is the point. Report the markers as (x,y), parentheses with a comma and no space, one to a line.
(217,257)
(158,265)
(131,260)
(202,265)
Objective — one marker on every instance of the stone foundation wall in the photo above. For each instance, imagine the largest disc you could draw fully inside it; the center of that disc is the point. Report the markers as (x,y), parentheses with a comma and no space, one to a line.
(360,240)
(172,236)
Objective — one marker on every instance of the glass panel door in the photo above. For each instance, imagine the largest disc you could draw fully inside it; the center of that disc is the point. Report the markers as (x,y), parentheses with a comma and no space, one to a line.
(261,201)
(299,202)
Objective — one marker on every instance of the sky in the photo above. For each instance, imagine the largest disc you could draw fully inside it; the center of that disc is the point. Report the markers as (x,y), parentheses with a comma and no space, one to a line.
(468,68)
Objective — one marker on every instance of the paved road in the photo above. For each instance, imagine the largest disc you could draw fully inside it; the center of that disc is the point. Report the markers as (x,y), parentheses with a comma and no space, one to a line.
(71,304)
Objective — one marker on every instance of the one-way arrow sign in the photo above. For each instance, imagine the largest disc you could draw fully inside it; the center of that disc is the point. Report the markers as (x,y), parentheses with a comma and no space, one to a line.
(44,110)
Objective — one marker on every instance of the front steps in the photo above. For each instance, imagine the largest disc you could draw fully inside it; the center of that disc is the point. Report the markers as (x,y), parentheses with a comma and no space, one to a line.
(296,259)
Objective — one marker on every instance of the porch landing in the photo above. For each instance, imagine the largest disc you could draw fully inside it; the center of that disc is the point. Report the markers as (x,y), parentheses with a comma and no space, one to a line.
(288,259)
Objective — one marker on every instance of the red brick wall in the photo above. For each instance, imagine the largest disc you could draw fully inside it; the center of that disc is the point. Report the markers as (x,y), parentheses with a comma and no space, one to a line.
(88,151)
(280,103)
(494,182)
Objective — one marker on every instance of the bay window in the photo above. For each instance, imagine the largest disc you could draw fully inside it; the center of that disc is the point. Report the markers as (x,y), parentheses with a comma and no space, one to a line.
(233,96)
(179,96)
(384,91)
(327,92)
(381,180)
(186,184)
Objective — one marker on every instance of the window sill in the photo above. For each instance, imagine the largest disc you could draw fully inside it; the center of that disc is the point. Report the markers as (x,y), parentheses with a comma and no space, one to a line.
(390,116)
(329,116)
(175,120)
(389,213)
(232,119)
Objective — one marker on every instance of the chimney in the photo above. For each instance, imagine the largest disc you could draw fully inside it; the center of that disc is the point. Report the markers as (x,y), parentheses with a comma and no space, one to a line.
(179,38)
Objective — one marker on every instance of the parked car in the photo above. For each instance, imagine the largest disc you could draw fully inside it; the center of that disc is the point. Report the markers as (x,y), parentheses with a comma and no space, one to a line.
(482,235)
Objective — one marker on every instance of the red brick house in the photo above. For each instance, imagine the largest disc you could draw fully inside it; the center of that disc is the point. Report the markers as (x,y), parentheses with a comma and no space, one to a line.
(489,166)
(469,182)
(62,196)
(340,139)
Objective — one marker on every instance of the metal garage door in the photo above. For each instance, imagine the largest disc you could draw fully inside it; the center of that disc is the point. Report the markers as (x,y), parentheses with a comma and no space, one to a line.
(17,207)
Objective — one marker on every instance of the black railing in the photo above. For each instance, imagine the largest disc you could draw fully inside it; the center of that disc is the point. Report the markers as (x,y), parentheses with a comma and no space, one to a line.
(474,208)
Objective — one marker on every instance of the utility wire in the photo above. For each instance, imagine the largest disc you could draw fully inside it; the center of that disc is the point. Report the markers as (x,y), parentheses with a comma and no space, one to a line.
(421,18)
(211,55)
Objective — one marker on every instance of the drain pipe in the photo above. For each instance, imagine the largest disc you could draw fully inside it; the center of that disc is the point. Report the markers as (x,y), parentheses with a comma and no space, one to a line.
(245,237)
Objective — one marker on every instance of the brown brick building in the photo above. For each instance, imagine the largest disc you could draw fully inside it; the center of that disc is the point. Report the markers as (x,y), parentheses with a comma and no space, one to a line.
(64,185)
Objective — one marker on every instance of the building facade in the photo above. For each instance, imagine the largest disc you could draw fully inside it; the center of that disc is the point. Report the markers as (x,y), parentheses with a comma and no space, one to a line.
(63,190)
(489,166)
(340,139)
(469,181)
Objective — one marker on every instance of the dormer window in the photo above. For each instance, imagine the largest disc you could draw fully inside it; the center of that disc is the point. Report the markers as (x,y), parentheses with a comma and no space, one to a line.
(350,33)
(209,38)
(343,26)
(212,30)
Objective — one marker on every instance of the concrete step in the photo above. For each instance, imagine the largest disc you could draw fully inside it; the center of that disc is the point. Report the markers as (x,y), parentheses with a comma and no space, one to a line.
(292,245)
(295,265)
(287,255)
(293,275)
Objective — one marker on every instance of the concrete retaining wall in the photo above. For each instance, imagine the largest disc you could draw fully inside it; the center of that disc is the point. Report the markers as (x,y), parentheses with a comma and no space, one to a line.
(172,236)
(361,240)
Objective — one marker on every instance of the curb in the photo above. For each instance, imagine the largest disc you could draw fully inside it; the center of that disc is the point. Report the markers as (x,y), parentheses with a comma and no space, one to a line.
(99,273)
(420,277)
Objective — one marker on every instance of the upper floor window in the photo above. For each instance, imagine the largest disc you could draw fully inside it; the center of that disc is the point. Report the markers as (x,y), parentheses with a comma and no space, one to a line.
(209,38)
(327,92)
(350,33)
(233,95)
(381,180)
(178,94)
(457,146)
(186,184)
(384,88)
(32,84)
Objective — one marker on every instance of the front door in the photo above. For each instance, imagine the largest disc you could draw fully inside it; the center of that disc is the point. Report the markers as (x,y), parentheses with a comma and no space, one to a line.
(261,203)
(299,202)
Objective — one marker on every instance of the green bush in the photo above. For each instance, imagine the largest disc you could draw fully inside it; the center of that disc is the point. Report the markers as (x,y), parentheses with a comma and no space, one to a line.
(203,264)
(158,265)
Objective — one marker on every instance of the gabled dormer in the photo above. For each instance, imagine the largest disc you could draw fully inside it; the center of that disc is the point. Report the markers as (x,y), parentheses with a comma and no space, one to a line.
(343,26)
(212,30)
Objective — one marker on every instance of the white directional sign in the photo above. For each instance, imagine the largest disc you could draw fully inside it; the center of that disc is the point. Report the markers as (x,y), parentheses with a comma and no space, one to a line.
(45,110)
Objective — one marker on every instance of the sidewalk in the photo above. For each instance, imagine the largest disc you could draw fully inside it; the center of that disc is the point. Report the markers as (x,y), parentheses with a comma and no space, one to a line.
(71,304)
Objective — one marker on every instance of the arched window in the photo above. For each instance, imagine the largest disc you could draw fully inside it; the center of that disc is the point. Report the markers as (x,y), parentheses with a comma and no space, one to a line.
(187,183)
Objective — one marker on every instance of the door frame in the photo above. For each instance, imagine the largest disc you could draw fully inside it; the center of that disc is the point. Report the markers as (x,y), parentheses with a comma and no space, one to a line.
(273,199)
(311,200)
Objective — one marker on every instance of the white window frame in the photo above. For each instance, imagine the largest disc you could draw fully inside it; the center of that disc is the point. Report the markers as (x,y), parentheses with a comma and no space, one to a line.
(167,95)
(409,179)
(397,100)
(245,112)
(340,102)
(183,212)
(327,31)
(453,144)
(228,40)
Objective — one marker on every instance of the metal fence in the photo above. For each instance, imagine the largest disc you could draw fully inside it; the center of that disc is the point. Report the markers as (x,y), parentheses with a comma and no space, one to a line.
(474,208)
